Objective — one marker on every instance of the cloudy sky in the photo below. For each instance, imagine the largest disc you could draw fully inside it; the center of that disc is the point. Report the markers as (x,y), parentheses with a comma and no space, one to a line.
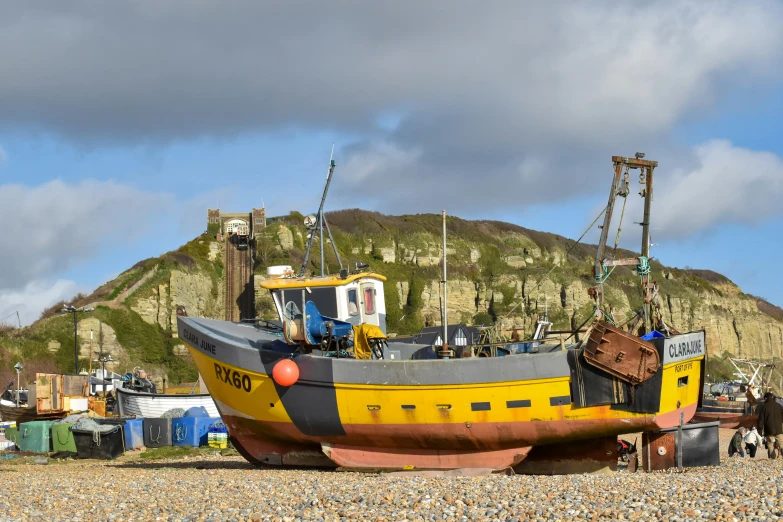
(120,123)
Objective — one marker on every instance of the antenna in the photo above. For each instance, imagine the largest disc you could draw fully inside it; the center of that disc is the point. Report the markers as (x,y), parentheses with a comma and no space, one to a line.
(319,224)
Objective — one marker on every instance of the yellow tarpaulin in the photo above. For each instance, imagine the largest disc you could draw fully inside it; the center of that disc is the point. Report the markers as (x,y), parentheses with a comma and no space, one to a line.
(361,339)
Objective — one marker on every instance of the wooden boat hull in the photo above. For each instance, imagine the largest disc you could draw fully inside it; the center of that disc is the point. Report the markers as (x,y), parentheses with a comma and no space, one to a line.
(729,421)
(425,413)
(19,415)
(730,414)
(132,403)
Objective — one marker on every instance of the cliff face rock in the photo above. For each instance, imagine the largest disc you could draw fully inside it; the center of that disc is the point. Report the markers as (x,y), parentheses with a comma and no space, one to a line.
(95,336)
(285,238)
(733,323)
(513,274)
(194,291)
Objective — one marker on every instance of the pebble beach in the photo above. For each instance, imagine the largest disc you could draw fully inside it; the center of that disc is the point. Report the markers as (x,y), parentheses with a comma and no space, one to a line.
(214,487)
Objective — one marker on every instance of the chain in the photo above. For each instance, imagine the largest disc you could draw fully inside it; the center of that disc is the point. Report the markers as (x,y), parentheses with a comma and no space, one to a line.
(641,366)
(642,360)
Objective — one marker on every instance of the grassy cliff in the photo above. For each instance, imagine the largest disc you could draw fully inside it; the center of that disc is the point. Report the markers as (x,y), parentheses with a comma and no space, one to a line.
(497,272)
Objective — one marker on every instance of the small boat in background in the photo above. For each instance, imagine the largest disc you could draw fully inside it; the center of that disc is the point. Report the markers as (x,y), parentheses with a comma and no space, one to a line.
(735,404)
(730,414)
(132,403)
(52,396)
(21,414)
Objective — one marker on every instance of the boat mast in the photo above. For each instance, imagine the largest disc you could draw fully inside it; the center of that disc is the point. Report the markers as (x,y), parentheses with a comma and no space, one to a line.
(599,255)
(646,178)
(319,225)
(445,302)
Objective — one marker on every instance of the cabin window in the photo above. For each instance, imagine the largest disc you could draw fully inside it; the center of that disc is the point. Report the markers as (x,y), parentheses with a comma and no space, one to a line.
(353,301)
(369,300)
(325,299)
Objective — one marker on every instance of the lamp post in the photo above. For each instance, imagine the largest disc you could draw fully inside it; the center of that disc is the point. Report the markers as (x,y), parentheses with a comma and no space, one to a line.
(18,367)
(69,309)
(103,360)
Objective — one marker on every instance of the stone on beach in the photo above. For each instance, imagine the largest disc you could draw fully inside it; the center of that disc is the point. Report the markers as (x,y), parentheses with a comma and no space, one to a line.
(227,488)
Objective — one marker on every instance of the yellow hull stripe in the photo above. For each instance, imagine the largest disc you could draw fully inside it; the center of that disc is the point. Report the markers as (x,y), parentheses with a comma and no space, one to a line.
(254,395)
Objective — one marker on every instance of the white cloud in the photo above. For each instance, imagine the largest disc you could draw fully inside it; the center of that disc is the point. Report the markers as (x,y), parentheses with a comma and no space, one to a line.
(378,160)
(51,227)
(507,74)
(33,298)
(727,184)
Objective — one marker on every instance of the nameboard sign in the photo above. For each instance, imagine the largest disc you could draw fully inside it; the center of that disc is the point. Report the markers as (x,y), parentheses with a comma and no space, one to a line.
(683,347)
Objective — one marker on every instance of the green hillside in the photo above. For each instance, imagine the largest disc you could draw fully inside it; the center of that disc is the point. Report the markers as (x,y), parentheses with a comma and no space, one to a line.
(503,273)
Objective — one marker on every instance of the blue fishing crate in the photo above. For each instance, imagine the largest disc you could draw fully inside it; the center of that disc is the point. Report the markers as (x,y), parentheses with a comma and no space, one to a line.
(134,434)
(191,431)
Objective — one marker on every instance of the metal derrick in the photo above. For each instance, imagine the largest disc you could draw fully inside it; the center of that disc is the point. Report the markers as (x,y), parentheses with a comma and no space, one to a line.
(649,317)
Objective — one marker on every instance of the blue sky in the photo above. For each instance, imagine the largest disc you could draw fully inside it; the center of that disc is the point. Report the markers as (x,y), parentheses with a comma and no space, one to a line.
(111,153)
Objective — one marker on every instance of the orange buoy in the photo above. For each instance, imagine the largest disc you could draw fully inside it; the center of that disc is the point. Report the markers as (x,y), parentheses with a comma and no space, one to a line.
(285,372)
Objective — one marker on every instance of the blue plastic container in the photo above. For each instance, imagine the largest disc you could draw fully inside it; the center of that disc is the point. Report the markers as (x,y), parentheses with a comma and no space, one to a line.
(191,431)
(197,411)
(134,434)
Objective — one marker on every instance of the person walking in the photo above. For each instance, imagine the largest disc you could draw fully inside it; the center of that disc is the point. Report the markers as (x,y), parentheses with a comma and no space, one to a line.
(735,446)
(752,440)
(770,424)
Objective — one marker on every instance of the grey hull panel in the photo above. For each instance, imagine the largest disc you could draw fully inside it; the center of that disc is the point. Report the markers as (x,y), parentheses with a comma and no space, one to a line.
(248,347)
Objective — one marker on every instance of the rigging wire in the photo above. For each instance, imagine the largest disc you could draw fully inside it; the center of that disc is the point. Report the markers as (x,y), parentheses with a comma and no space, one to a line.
(11,315)
(619,227)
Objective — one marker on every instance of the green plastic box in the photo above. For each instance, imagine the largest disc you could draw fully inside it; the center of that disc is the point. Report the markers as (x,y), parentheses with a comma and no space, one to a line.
(35,436)
(12,434)
(62,437)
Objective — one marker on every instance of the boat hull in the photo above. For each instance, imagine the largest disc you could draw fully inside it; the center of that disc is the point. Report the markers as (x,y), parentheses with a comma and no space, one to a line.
(730,414)
(135,404)
(729,421)
(19,415)
(398,414)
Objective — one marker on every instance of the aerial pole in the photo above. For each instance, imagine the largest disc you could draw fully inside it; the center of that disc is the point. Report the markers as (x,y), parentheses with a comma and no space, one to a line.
(646,177)
(320,220)
(445,302)
(599,255)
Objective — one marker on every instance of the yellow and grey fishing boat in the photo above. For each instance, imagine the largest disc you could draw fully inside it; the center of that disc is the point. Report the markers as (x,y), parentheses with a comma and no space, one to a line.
(326,387)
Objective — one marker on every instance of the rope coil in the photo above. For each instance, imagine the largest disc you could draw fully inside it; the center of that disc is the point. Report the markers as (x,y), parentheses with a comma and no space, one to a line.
(643,268)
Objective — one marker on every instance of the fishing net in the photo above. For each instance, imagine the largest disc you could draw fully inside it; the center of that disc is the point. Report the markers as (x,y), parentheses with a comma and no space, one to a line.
(71,419)
(174,413)
(87,424)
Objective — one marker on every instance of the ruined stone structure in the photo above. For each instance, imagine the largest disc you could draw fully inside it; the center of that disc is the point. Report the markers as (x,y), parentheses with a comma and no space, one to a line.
(255,219)
(259,220)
